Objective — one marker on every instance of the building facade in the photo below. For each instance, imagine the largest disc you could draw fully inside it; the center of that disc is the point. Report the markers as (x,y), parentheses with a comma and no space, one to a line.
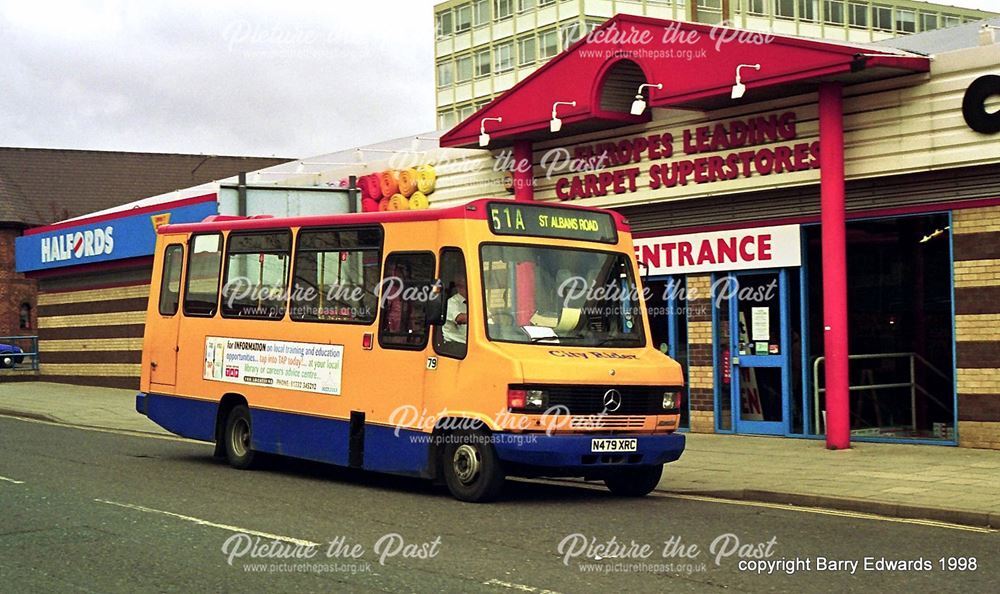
(728,199)
(484,47)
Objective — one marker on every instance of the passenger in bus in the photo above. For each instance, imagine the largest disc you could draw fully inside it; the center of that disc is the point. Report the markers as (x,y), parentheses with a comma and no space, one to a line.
(455,328)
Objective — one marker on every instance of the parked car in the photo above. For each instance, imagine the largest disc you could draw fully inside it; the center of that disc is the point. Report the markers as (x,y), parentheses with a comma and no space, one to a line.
(10,356)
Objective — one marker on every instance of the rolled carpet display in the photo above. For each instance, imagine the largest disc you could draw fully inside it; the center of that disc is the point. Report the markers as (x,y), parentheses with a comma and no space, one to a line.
(398,202)
(408,182)
(389,183)
(383,204)
(418,201)
(370,186)
(426,177)
(369,204)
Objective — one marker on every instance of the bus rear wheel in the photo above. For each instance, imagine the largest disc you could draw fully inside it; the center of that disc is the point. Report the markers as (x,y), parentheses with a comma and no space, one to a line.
(472,469)
(634,482)
(237,438)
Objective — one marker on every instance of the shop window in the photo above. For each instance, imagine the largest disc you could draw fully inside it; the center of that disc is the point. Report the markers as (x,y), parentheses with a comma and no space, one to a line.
(882,18)
(483,63)
(859,15)
(463,18)
(906,21)
(25,316)
(201,290)
(403,320)
(463,69)
(723,379)
(451,339)
(668,308)
(481,12)
(445,74)
(170,281)
(502,8)
(899,325)
(928,21)
(834,12)
(504,57)
(256,278)
(336,276)
(444,24)
(526,50)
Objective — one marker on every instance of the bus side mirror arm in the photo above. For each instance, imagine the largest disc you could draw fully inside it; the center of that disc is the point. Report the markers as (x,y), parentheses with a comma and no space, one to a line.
(437,306)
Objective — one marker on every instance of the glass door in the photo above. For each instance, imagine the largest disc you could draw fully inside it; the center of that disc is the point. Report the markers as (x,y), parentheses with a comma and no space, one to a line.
(760,346)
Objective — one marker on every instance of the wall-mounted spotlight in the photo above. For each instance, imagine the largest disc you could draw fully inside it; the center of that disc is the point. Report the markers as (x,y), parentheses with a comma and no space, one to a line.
(556,124)
(484,138)
(639,105)
(739,89)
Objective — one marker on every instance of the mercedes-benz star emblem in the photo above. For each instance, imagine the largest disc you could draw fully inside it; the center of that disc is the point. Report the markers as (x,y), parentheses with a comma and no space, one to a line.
(612,400)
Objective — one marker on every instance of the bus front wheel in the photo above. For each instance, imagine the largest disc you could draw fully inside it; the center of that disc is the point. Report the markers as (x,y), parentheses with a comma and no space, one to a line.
(237,438)
(472,469)
(634,482)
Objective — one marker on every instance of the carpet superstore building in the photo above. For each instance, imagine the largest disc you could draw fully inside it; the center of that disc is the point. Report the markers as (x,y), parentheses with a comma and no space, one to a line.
(742,152)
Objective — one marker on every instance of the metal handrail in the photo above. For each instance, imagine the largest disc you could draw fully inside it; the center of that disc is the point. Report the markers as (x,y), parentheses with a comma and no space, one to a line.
(32,354)
(912,384)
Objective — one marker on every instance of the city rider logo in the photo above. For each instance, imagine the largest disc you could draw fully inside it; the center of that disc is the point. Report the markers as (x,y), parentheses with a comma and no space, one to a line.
(612,400)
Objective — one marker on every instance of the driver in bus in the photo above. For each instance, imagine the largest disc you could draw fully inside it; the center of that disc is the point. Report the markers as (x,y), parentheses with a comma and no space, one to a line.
(456,327)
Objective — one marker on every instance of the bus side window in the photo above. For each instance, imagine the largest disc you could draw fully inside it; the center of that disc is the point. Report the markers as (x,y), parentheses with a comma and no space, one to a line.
(451,339)
(256,275)
(336,275)
(201,291)
(403,323)
(170,282)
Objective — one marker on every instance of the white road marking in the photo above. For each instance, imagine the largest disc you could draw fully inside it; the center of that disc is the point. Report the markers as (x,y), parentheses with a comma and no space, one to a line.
(10,480)
(518,587)
(200,522)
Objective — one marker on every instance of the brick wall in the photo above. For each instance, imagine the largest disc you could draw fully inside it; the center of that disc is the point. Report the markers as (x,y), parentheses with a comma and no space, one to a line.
(700,370)
(976,235)
(15,290)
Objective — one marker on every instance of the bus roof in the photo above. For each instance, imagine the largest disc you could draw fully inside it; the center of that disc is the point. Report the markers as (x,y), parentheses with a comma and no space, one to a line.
(472,210)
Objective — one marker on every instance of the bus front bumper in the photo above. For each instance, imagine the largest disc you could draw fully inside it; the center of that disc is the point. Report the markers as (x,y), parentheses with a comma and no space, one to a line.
(576,451)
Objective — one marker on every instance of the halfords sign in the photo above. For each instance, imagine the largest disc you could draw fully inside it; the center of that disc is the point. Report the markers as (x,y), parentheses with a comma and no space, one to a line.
(718,251)
(128,236)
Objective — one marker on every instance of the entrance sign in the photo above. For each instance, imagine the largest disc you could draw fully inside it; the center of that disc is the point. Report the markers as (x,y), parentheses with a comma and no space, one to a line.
(303,366)
(716,251)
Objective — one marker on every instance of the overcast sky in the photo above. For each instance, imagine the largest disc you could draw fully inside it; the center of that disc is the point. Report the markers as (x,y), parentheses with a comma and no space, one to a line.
(250,77)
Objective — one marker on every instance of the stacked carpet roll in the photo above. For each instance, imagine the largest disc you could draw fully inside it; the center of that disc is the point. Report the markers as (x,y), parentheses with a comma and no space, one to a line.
(404,190)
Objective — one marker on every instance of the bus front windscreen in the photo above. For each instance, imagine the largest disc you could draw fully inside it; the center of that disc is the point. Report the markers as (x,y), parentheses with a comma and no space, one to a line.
(547,295)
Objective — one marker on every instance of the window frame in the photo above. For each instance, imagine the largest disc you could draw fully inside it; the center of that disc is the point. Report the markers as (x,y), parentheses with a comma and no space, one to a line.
(225,272)
(381,265)
(497,65)
(437,333)
(520,50)
(163,280)
(381,309)
(478,63)
(187,274)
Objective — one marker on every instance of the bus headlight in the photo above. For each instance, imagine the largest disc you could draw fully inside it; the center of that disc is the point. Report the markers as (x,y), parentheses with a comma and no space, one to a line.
(671,400)
(520,398)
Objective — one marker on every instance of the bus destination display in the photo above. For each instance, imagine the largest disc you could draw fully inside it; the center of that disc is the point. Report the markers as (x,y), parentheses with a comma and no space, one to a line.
(545,221)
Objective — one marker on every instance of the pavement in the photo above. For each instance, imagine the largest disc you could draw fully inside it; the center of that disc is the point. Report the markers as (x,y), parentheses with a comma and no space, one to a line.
(940,483)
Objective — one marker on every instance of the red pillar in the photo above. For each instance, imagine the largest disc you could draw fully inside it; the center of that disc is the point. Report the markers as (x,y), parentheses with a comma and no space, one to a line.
(523,178)
(831,135)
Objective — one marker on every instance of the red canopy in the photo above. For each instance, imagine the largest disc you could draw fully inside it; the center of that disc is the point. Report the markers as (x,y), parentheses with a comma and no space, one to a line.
(695,63)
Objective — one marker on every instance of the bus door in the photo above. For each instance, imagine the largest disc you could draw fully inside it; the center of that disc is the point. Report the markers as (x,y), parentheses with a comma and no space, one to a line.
(164,328)
(450,340)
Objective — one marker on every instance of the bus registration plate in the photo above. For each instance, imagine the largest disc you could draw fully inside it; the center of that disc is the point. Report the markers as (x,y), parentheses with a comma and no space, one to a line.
(613,445)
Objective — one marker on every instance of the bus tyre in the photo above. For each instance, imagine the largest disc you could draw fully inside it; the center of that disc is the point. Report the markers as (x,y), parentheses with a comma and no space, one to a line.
(634,482)
(472,469)
(237,438)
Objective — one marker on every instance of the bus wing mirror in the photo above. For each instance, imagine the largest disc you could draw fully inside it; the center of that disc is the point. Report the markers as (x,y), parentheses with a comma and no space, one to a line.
(437,306)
